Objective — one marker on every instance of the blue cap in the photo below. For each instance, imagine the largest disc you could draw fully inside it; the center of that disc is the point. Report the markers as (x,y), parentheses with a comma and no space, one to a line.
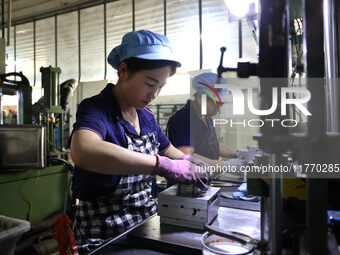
(142,44)
(204,83)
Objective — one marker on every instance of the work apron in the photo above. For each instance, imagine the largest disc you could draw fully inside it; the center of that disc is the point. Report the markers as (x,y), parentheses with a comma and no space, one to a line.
(98,220)
(204,137)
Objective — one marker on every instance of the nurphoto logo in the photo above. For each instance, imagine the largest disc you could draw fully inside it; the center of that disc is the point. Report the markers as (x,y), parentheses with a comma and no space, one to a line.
(301,96)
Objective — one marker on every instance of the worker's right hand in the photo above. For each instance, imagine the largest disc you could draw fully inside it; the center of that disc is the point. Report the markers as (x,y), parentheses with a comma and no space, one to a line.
(178,171)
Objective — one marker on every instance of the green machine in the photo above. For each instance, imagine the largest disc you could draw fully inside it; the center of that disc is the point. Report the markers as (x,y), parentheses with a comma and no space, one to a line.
(52,114)
(33,177)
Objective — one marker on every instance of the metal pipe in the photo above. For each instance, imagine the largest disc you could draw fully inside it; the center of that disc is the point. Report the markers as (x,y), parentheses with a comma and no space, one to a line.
(331,66)
(79,49)
(9,20)
(200,30)
(56,40)
(264,207)
(105,43)
(3,17)
(315,66)
(164,16)
(15,49)
(240,38)
(1,113)
(133,16)
(34,53)
(275,192)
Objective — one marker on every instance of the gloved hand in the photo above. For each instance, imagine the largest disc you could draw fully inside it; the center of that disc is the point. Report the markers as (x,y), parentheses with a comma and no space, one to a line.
(179,171)
(235,162)
(202,173)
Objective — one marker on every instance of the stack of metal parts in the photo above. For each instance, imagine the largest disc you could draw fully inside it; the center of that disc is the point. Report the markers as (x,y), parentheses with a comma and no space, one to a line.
(188,206)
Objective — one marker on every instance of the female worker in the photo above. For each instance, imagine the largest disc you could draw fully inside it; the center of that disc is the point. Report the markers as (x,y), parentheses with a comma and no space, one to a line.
(116,143)
(190,130)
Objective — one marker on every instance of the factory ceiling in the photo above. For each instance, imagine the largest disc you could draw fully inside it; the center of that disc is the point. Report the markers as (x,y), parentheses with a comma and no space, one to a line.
(28,10)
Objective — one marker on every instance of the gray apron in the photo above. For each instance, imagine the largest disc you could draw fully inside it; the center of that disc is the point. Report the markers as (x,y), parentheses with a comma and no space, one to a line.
(98,220)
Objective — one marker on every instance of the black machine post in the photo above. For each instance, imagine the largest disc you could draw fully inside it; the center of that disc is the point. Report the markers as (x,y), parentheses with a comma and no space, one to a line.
(315,146)
(23,90)
(317,197)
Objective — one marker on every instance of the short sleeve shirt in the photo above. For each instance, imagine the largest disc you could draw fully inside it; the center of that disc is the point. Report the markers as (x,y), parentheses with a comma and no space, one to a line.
(101,114)
(201,137)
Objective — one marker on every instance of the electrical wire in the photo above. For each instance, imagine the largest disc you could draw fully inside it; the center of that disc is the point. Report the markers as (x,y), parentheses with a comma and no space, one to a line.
(30,210)
(69,182)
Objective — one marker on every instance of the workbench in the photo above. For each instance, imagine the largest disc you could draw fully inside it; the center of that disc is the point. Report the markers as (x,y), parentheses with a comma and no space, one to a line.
(152,238)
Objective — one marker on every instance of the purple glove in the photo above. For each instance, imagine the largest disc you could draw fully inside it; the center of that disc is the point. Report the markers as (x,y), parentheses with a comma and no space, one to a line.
(196,174)
(176,171)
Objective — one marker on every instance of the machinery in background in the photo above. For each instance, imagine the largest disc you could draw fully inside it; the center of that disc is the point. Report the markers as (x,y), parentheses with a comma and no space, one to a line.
(300,228)
(163,112)
(43,125)
(34,170)
(23,90)
(49,113)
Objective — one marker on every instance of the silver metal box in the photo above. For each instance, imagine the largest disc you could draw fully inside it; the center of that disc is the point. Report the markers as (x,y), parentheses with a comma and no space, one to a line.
(22,147)
(188,211)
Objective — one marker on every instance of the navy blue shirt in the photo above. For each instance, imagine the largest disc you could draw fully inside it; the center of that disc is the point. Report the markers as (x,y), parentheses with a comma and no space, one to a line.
(202,137)
(101,114)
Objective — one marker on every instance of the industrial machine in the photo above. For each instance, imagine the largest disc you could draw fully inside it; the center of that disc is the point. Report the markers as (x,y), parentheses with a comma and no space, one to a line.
(300,227)
(50,114)
(34,170)
(23,90)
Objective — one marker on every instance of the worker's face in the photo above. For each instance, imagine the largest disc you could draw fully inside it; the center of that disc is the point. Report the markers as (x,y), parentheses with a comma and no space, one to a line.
(142,87)
(212,109)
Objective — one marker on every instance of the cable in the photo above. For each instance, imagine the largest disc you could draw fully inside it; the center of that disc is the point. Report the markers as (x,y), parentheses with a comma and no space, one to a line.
(29,216)
(69,183)
(70,166)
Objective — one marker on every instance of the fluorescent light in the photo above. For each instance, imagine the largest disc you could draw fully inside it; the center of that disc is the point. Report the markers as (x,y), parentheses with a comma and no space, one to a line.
(238,8)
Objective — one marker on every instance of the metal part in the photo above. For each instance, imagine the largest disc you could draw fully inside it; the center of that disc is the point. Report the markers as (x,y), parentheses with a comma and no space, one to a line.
(22,146)
(244,69)
(2,56)
(332,65)
(181,240)
(1,112)
(275,223)
(314,67)
(316,211)
(24,91)
(249,153)
(9,20)
(240,54)
(190,211)
(188,190)
(53,113)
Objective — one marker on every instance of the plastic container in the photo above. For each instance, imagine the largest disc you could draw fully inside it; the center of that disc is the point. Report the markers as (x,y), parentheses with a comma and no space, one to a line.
(11,230)
(217,245)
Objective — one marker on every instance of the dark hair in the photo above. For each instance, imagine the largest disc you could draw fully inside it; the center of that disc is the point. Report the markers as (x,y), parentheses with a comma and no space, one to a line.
(137,64)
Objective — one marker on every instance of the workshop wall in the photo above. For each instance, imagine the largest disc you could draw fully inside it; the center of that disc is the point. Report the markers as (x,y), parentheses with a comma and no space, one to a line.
(78,41)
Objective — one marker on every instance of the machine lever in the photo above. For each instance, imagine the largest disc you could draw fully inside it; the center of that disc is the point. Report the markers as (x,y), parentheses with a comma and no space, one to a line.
(244,69)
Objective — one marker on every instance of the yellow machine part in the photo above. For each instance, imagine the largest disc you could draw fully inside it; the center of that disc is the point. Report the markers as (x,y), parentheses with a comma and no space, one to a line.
(293,188)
